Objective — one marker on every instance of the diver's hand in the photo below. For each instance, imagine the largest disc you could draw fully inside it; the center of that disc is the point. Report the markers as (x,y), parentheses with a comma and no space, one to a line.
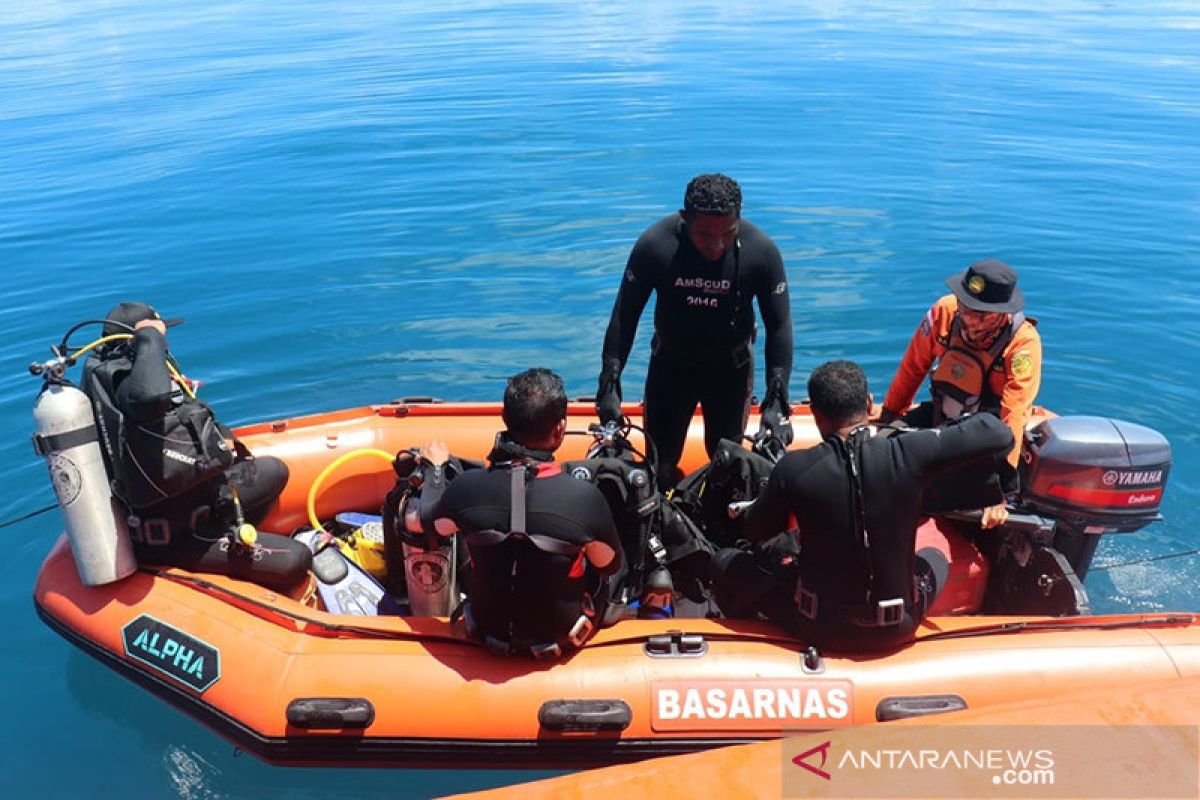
(435,452)
(886,416)
(774,422)
(157,324)
(775,415)
(608,408)
(738,507)
(994,516)
(608,395)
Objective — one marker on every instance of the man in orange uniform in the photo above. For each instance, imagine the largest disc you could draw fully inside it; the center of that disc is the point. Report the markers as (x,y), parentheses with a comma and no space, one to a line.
(985,355)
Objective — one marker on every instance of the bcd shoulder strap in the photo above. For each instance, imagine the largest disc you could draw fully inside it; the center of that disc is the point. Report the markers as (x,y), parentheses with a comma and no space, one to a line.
(516,514)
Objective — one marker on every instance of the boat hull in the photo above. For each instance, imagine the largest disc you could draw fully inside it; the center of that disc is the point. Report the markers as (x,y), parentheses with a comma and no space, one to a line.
(296,685)
(438,699)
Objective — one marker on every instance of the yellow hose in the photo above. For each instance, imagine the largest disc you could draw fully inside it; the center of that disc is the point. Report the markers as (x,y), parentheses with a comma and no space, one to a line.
(112,337)
(117,337)
(181,381)
(311,504)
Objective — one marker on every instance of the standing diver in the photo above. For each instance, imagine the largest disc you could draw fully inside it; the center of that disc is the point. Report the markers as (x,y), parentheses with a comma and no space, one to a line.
(706,264)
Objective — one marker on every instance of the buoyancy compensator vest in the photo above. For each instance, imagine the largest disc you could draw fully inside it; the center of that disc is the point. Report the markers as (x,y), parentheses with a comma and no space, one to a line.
(529,593)
(629,491)
(960,381)
(654,530)
(153,461)
(734,474)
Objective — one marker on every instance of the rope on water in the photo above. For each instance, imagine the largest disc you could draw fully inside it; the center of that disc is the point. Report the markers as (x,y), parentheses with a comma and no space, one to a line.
(1144,561)
(30,515)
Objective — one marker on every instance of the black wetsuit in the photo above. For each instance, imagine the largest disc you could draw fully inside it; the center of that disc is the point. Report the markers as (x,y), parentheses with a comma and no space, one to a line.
(518,594)
(814,488)
(189,528)
(704,330)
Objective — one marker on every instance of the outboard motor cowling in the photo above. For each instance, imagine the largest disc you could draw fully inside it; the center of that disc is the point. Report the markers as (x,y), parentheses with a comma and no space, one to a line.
(1093,475)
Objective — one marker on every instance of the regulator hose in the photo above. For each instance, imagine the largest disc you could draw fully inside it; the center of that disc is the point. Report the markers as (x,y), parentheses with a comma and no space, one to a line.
(182,382)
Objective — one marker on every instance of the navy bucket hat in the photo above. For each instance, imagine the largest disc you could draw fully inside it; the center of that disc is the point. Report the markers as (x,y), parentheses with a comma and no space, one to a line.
(988,285)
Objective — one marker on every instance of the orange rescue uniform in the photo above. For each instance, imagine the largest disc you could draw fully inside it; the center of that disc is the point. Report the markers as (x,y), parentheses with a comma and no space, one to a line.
(1013,379)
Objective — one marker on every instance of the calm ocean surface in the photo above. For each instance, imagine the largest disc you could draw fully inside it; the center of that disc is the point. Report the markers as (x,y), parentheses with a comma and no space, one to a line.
(353,201)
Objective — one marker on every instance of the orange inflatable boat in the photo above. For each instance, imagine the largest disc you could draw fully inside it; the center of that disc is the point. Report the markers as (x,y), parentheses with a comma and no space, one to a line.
(758,770)
(295,684)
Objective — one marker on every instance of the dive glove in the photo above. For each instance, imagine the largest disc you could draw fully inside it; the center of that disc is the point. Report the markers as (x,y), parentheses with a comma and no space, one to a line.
(608,394)
(775,413)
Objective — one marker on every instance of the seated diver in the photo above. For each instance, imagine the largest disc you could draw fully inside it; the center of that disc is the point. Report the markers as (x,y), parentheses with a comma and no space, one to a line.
(854,503)
(187,491)
(544,553)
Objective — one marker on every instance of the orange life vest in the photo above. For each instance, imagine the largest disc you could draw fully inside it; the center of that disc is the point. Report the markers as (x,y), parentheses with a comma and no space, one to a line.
(959,383)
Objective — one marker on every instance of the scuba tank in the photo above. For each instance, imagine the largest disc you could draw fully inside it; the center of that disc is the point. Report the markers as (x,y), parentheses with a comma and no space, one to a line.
(429,565)
(429,561)
(67,438)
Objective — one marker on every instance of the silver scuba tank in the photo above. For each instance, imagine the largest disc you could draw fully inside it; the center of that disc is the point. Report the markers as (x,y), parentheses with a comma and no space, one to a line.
(430,568)
(67,438)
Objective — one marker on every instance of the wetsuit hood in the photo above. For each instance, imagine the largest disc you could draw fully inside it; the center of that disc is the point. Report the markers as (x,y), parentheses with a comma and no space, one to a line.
(506,449)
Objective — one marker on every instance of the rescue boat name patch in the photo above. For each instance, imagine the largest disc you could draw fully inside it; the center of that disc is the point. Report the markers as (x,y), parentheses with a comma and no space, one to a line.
(172,652)
(750,705)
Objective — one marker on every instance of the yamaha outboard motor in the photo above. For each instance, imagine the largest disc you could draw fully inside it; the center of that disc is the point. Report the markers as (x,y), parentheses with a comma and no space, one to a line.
(1094,476)
(1081,478)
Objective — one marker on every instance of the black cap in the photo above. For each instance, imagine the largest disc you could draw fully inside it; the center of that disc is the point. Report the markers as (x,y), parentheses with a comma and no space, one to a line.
(124,316)
(988,285)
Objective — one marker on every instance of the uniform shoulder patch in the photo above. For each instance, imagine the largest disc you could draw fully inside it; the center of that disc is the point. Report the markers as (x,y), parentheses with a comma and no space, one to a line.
(927,323)
(1022,363)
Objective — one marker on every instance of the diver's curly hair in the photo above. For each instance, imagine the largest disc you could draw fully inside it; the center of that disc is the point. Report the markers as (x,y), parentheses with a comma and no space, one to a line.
(838,390)
(713,194)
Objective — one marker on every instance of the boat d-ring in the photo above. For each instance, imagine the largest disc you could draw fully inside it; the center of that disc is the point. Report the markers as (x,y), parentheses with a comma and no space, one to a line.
(811,661)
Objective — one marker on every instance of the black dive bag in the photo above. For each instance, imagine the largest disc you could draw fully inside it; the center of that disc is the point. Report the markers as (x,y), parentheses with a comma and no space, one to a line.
(159,459)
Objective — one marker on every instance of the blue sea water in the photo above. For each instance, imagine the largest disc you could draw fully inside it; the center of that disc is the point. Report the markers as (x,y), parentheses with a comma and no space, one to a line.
(354,201)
